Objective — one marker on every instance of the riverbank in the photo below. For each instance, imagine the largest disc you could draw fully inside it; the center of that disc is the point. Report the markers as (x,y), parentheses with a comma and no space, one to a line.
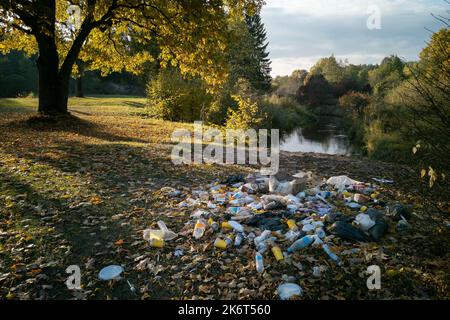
(81,193)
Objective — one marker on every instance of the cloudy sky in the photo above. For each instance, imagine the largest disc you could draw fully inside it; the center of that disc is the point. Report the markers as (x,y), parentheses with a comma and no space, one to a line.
(302,31)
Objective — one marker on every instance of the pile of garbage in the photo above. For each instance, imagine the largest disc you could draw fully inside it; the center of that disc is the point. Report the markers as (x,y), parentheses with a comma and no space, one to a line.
(281,218)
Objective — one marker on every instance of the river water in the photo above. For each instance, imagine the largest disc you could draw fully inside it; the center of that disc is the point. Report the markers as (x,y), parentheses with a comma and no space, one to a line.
(327,136)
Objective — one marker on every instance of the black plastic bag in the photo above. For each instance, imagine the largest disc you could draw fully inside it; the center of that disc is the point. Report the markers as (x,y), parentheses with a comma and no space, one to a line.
(346,231)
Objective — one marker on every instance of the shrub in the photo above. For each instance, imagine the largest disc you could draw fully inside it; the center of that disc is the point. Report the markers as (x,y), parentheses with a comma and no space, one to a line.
(175,98)
(247,115)
(384,146)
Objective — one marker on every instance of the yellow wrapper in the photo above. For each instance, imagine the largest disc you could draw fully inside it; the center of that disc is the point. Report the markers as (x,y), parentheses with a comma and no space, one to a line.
(363,209)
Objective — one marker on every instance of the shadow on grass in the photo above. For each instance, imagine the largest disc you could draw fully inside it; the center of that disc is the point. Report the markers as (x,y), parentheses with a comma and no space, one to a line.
(69,233)
(69,124)
(135,104)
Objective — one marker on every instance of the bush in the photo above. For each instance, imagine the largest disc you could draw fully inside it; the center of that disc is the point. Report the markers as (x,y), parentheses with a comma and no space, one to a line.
(247,115)
(172,97)
(384,146)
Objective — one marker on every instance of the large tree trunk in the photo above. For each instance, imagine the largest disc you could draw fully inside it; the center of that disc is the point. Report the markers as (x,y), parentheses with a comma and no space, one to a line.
(53,88)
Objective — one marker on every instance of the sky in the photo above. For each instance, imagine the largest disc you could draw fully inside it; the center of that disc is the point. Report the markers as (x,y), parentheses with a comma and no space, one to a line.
(302,31)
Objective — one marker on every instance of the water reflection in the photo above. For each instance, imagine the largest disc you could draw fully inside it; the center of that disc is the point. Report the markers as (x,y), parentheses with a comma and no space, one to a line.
(326,136)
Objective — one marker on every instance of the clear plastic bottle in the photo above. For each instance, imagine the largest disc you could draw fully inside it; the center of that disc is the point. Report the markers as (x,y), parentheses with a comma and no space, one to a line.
(332,255)
(236,226)
(262,247)
(214,225)
(301,243)
(264,235)
(259,262)
(199,228)
(238,240)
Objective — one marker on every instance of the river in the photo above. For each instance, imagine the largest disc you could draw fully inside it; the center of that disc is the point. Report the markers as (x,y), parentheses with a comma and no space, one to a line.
(327,136)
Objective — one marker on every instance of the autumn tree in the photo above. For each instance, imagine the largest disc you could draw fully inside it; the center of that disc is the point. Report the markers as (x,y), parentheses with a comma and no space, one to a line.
(190,35)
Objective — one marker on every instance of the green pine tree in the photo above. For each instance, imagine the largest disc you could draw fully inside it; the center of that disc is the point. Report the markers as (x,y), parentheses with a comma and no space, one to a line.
(260,78)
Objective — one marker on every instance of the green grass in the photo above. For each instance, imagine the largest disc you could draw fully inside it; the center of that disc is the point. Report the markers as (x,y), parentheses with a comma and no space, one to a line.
(97,104)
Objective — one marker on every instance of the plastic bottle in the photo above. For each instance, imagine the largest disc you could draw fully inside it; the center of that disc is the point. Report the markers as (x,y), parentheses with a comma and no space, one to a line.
(251,237)
(301,243)
(264,235)
(236,226)
(199,228)
(320,233)
(277,253)
(292,225)
(214,225)
(259,262)
(229,240)
(261,247)
(332,255)
(238,240)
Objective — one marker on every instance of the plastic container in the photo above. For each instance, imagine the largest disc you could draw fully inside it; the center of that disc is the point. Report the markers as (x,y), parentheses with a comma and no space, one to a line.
(259,262)
(277,253)
(238,240)
(156,243)
(264,235)
(199,228)
(236,226)
(288,290)
(292,225)
(221,244)
(332,255)
(226,225)
(301,243)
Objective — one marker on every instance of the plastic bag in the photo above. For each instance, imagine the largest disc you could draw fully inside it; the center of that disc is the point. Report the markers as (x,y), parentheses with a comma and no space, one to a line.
(341,182)
(364,222)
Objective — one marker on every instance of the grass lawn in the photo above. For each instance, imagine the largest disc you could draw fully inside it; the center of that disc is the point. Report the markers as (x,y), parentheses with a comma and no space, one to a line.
(80,193)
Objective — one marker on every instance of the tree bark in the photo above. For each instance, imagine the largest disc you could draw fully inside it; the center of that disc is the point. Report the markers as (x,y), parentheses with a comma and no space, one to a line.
(53,87)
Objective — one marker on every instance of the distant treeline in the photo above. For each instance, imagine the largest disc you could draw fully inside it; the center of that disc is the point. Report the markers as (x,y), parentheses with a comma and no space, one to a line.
(19,77)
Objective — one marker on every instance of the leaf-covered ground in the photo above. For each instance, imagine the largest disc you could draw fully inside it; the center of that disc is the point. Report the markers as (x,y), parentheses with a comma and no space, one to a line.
(81,193)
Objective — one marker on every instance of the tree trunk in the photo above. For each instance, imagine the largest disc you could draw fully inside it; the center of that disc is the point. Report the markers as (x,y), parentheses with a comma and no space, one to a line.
(53,88)
(79,88)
